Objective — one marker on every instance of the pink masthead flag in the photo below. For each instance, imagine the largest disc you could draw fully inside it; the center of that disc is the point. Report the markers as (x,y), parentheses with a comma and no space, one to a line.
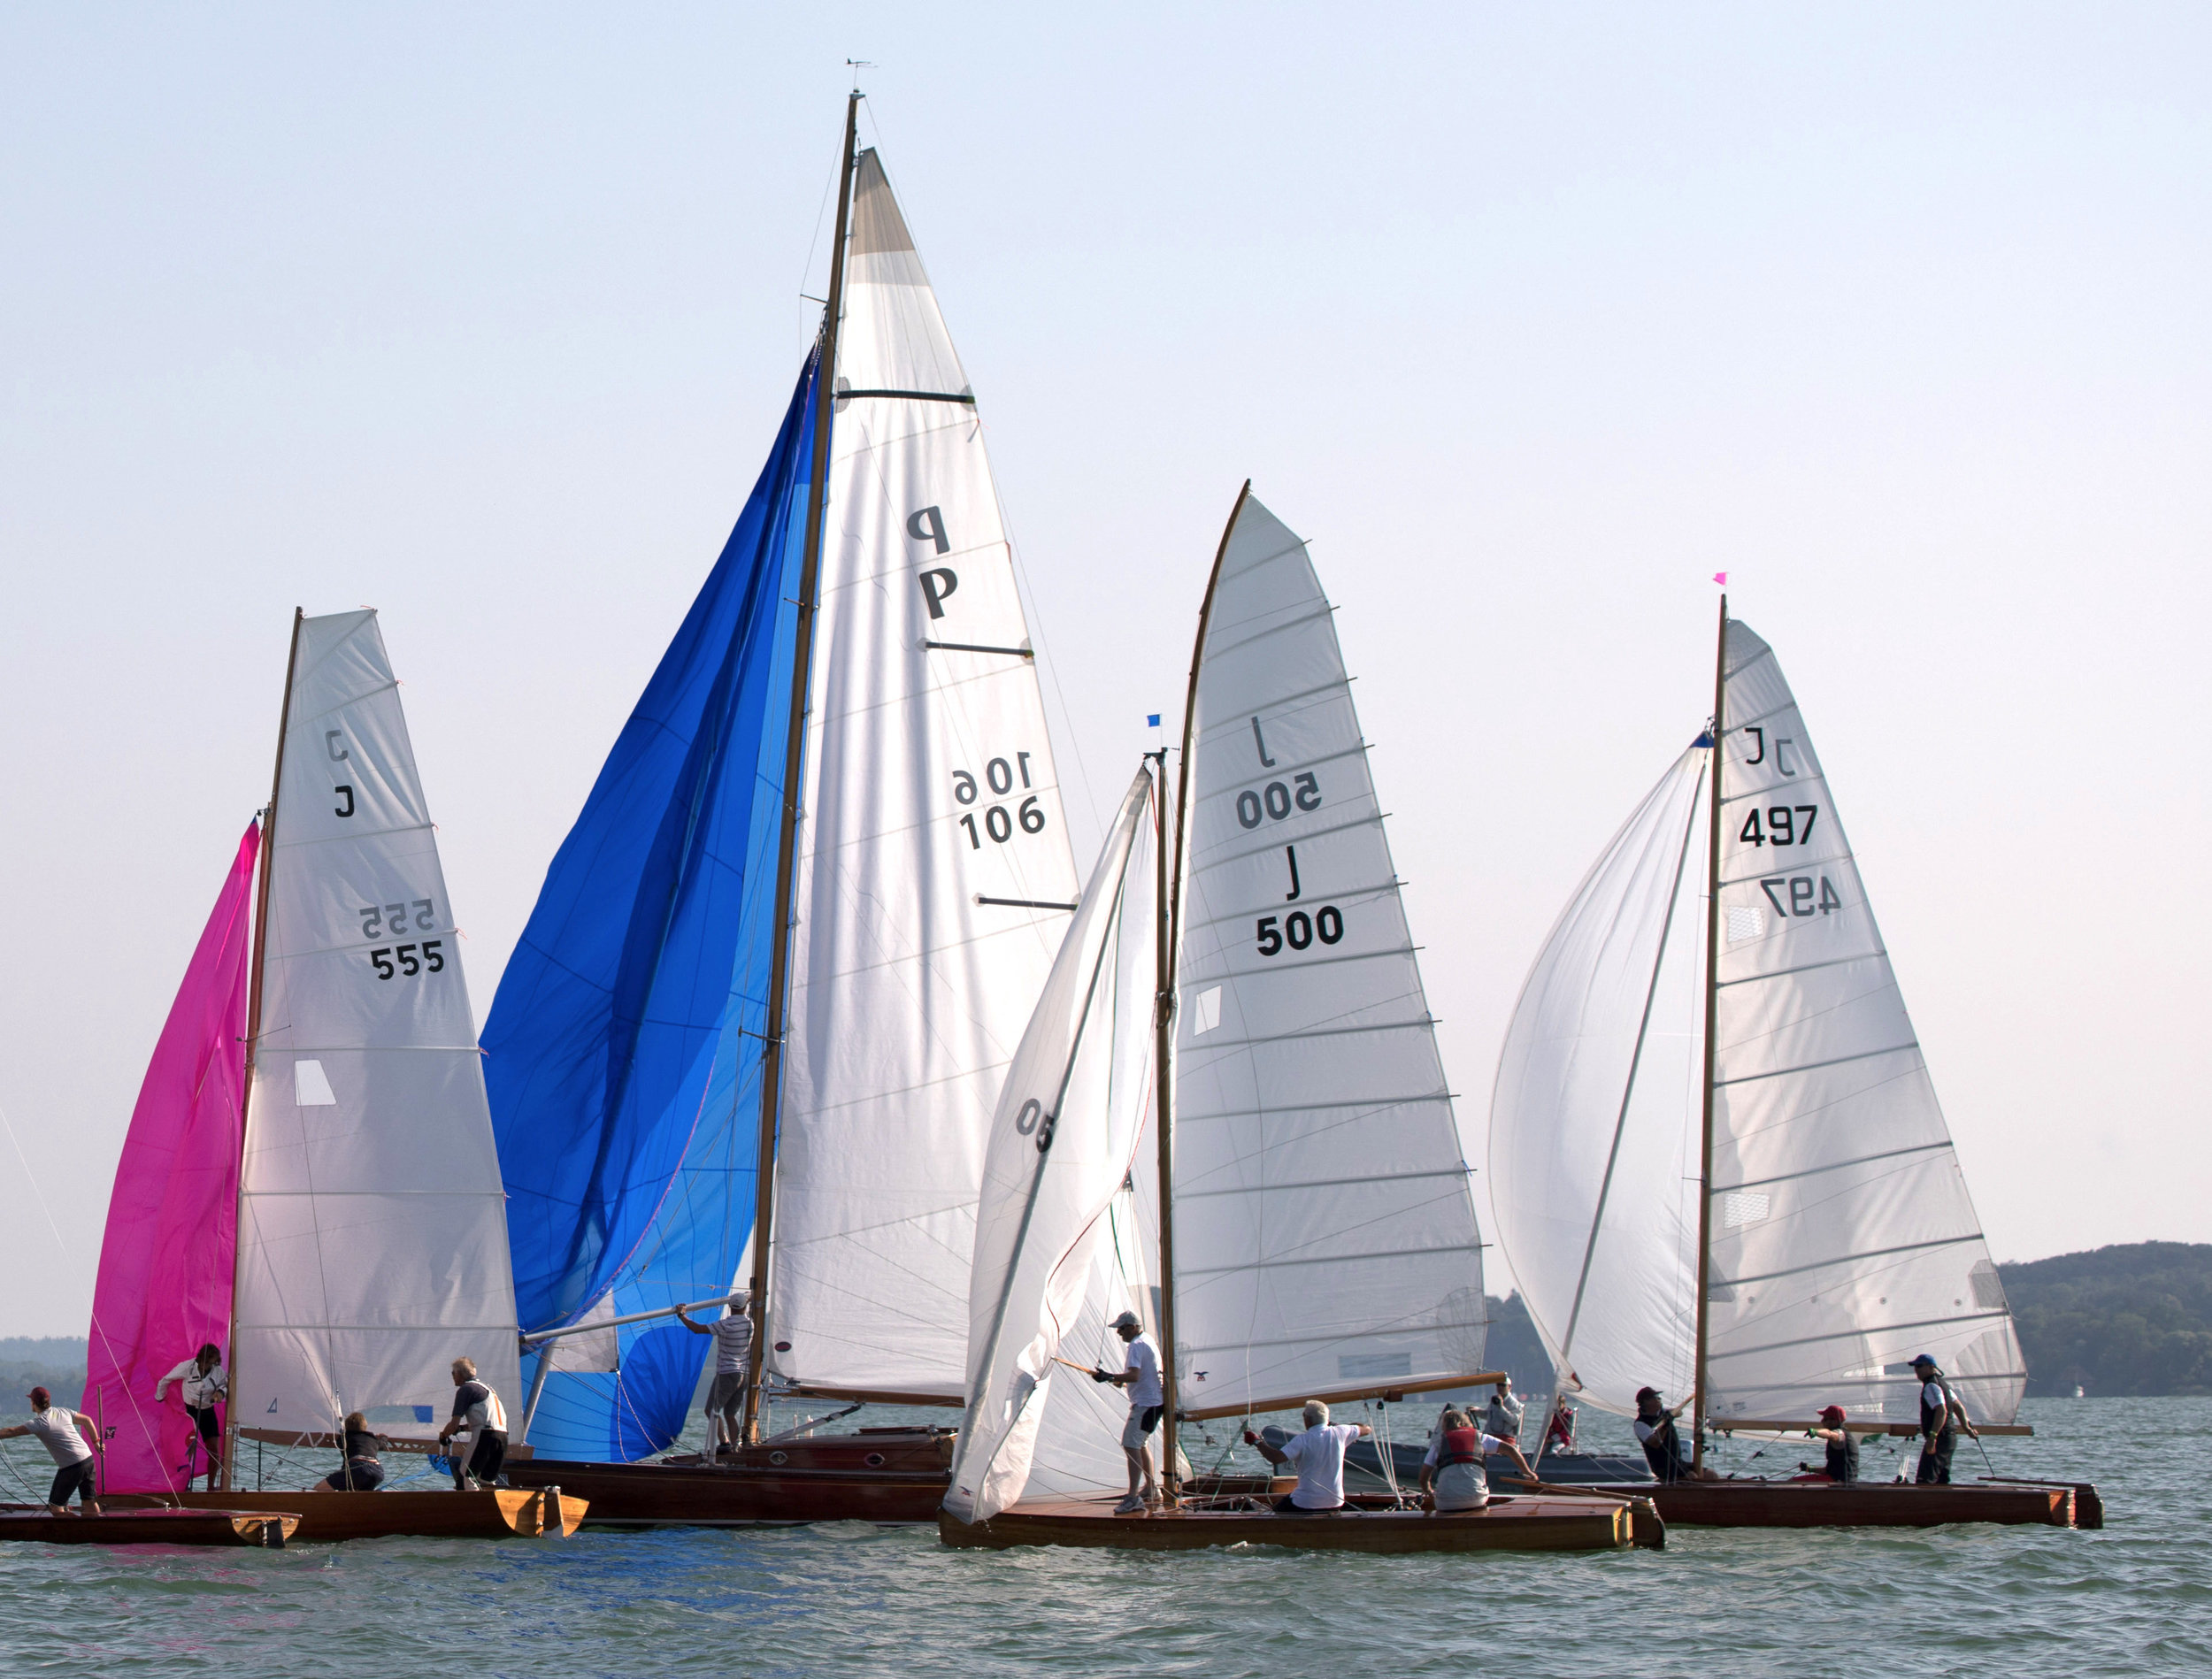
(164,1284)
(1721,578)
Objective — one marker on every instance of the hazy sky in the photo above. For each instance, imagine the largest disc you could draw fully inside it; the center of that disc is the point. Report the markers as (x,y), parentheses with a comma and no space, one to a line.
(1531,318)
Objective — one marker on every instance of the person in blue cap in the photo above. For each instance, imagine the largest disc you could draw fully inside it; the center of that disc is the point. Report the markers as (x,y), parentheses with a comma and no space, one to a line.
(1942,1416)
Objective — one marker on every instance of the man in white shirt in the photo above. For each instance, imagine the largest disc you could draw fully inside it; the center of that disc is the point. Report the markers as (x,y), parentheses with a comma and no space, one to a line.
(1503,1418)
(202,1384)
(732,1368)
(1146,1398)
(57,1427)
(1318,1456)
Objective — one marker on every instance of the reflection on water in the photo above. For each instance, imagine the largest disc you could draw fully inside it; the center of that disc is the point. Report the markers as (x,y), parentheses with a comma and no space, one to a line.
(849,1600)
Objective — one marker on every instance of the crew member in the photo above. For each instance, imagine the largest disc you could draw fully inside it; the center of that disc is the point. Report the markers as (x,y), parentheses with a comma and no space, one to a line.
(1941,1418)
(732,1335)
(358,1470)
(202,1384)
(1662,1441)
(1503,1418)
(1843,1447)
(1452,1471)
(57,1430)
(1318,1456)
(476,1409)
(1147,1399)
(1559,1433)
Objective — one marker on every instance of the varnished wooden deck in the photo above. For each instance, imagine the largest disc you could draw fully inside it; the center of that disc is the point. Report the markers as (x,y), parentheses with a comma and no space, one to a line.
(1522,1523)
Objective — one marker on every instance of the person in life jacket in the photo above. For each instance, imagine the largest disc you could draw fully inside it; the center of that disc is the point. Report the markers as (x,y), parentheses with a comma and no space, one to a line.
(1559,1433)
(1451,1472)
(477,1412)
(1942,1417)
(1842,1467)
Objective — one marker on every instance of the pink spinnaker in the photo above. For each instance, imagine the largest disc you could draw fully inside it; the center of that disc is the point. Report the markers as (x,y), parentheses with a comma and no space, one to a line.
(164,1282)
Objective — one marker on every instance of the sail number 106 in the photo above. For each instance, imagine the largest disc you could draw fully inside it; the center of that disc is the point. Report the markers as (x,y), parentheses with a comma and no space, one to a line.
(999,774)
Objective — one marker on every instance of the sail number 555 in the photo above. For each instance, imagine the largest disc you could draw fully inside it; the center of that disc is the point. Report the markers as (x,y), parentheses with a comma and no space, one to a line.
(999,774)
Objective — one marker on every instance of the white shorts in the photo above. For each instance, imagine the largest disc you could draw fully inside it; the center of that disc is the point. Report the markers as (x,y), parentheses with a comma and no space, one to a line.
(1136,1430)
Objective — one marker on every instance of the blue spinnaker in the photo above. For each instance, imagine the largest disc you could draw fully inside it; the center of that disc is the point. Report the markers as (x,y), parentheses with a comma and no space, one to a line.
(623,1047)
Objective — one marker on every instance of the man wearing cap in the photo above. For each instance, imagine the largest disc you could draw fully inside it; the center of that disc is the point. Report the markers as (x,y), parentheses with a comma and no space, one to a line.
(1941,1416)
(57,1428)
(1146,1398)
(1843,1448)
(733,1334)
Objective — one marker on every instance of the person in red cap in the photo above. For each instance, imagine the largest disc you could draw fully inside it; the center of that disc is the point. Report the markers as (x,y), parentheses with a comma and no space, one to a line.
(1843,1447)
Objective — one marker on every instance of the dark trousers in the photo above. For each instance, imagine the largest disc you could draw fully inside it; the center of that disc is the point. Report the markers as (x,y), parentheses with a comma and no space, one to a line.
(210,1433)
(486,1461)
(1935,1467)
(74,1478)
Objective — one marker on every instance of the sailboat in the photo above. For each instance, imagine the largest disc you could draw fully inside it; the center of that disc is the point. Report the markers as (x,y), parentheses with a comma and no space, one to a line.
(1716,1157)
(1316,1230)
(343,1231)
(748,1047)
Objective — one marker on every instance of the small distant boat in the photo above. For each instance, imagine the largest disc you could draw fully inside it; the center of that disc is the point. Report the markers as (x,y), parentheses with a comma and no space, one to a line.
(1715,1008)
(309,1178)
(1315,1228)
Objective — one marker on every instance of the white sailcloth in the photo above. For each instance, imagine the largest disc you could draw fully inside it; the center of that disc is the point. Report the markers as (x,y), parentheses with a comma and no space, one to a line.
(1843,1239)
(1061,1146)
(1594,1121)
(934,872)
(371,1238)
(1324,1230)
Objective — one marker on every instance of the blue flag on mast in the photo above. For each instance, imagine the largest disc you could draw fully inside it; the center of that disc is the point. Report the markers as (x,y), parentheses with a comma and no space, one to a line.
(623,1048)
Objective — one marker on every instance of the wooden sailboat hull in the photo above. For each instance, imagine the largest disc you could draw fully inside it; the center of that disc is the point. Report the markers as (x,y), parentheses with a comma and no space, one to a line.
(1518,1523)
(215,1525)
(1878,1504)
(876,1474)
(325,1517)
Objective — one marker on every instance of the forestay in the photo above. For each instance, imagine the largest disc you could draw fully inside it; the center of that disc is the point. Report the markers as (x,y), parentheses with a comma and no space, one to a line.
(1062,1145)
(1594,1120)
(1324,1230)
(1843,1239)
(372,1242)
(935,878)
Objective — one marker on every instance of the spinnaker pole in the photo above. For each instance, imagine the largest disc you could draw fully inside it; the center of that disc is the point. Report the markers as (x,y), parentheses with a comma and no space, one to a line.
(253,1043)
(1712,1027)
(794,790)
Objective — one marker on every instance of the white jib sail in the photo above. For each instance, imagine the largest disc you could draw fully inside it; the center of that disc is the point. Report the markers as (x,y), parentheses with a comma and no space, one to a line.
(372,1235)
(1843,1239)
(1062,1144)
(1325,1229)
(934,873)
(1594,1119)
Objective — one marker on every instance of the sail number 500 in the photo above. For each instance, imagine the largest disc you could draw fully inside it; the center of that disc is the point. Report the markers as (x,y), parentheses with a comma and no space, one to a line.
(999,774)
(1298,931)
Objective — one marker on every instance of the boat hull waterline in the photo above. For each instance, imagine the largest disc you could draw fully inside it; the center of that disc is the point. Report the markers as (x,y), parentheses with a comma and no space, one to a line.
(1879,1504)
(204,1527)
(327,1517)
(1516,1523)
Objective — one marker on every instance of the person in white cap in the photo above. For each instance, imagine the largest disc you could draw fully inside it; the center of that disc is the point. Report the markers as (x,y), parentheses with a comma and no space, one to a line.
(1146,1398)
(732,1335)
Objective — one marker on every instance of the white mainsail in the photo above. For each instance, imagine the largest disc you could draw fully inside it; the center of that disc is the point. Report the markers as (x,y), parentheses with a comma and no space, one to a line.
(1324,1223)
(372,1230)
(1061,1146)
(1843,1240)
(934,875)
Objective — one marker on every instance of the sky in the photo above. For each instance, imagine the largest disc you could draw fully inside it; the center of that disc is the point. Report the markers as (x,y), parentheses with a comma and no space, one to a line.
(1530,318)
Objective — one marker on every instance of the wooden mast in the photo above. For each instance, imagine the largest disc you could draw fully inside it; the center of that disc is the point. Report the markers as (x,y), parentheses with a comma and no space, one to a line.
(1712,1002)
(253,1042)
(1164,1011)
(794,792)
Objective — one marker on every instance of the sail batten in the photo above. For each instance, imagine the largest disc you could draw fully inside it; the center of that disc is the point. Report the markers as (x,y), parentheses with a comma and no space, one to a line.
(1834,1189)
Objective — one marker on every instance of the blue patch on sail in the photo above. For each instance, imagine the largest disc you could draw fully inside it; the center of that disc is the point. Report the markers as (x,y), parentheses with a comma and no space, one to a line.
(623,1047)
(1704,739)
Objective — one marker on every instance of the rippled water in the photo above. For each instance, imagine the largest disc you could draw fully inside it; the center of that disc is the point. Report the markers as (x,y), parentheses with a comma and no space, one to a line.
(2134,1599)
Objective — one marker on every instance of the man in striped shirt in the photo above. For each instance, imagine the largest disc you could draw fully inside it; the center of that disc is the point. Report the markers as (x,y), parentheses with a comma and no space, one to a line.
(733,1366)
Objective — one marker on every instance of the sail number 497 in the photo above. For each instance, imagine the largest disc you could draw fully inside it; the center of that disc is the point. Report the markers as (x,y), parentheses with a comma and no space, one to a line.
(999,776)
(1794,895)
